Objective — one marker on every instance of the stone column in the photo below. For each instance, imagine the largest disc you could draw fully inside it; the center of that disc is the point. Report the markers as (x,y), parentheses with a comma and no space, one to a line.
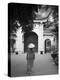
(40,38)
(38,28)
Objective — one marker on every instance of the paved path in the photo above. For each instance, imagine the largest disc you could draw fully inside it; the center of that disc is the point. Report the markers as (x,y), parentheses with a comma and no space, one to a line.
(43,65)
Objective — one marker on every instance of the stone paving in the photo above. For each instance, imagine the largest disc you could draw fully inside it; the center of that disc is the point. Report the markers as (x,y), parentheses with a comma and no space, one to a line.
(43,65)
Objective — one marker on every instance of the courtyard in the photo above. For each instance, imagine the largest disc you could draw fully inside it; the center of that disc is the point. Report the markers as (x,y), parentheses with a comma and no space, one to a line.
(43,65)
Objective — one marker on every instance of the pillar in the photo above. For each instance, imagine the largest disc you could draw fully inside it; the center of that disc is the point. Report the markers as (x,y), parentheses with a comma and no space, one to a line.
(40,38)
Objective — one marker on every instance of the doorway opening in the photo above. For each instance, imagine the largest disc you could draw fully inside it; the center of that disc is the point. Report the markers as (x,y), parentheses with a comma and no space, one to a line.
(30,37)
(47,45)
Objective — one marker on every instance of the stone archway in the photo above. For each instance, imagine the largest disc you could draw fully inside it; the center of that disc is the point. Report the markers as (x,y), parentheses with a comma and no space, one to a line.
(47,45)
(30,37)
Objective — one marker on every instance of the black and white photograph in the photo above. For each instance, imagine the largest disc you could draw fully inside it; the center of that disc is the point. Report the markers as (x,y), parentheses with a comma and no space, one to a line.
(33,39)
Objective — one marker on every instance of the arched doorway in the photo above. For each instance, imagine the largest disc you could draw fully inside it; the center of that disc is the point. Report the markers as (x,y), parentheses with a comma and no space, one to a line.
(47,45)
(30,37)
